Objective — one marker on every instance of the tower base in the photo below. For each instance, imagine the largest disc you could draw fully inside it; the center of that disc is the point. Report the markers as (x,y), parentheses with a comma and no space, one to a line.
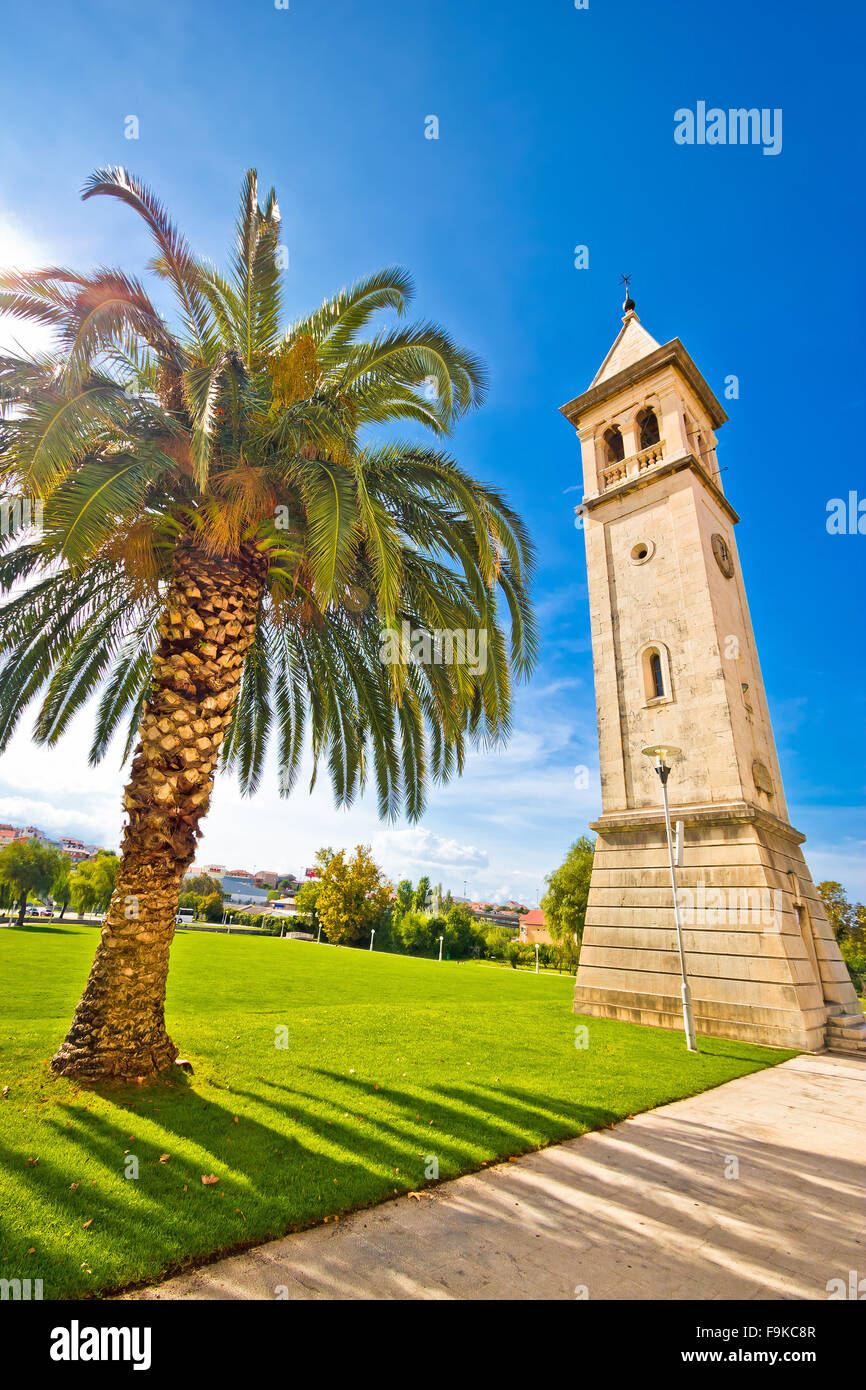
(762,962)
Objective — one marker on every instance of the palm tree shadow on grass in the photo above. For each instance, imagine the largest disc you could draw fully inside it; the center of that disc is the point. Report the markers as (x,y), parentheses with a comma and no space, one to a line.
(34,927)
(276,1181)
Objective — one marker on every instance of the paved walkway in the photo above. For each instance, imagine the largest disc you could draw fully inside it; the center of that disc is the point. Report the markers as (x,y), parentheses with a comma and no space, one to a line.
(650,1209)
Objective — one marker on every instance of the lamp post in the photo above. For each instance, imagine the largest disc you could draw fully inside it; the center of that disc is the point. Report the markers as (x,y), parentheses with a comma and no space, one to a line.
(372,935)
(536,957)
(660,754)
(441,939)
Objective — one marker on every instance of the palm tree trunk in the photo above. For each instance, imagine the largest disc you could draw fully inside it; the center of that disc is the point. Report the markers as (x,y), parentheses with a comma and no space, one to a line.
(118,1030)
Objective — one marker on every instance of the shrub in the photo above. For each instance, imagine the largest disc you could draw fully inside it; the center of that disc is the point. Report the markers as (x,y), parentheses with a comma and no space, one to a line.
(211,907)
(415,932)
(854,957)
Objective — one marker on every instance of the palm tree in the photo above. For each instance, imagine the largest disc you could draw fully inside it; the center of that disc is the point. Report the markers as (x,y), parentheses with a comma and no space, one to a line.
(222,544)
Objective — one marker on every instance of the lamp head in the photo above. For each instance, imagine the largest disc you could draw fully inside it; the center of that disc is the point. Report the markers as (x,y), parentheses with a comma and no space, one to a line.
(661,752)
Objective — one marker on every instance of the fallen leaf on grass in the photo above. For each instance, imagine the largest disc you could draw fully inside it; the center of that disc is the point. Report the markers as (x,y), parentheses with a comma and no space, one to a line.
(163,1158)
(209,1179)
(31,1162)
(5,1092)
(73,1186)
(85,1224)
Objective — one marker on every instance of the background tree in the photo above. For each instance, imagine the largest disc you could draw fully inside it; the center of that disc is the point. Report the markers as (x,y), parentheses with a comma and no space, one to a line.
(202,884)
(564,903)
(60,887)
(841,914)
(306,900)
(353,896)
(27,866)
(421,896)
(463,935)
(404,898)
(224,542)
(91,885)
(414,930)
(212,907)
(496,941)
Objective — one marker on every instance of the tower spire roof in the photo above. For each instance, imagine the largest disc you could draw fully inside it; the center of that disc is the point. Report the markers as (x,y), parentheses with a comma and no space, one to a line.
(631,343)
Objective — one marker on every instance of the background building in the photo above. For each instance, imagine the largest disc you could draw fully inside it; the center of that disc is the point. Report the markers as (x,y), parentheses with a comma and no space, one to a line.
(532,927)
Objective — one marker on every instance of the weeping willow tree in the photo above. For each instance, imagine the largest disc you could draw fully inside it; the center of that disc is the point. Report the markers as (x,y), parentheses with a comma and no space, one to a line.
(223,541)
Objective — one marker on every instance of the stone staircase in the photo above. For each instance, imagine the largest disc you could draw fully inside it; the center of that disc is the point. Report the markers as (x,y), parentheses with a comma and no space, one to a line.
(845,1032)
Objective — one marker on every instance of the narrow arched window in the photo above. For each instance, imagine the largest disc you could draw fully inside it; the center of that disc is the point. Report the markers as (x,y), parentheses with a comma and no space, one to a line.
(614,448)
(648,428)
(657,681)
(654,672)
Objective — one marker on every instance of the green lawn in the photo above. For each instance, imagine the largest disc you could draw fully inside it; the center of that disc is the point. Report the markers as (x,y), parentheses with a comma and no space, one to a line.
(390,1060)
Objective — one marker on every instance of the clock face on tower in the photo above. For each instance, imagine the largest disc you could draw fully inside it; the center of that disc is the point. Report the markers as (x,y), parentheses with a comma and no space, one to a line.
(723,556)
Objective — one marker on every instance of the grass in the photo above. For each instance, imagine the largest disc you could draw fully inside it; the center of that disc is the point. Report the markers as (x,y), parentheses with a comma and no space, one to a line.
(391,1060)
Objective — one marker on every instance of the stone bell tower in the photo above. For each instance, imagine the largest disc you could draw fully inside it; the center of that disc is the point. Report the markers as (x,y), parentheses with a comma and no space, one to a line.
(676,663)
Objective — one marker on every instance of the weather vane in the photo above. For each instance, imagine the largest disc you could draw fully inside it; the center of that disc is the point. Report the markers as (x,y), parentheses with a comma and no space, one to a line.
(629,302)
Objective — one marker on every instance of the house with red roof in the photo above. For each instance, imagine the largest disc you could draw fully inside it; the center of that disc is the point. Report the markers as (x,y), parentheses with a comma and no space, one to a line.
(532,927)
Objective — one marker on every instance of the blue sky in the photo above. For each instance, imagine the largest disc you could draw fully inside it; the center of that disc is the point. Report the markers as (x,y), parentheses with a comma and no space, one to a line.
(555,130)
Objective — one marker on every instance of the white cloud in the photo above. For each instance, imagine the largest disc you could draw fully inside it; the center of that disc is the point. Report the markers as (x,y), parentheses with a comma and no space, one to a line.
(31,810)
(835,864)
(556,687)
(416,845)
(21,251)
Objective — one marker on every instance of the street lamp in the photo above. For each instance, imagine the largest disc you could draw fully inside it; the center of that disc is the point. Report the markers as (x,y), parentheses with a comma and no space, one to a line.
(372,934)
(536,957)
(441,939)
(660,754)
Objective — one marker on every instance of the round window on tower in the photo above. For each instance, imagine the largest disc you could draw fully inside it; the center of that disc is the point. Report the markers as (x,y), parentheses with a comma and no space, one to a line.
(642,552)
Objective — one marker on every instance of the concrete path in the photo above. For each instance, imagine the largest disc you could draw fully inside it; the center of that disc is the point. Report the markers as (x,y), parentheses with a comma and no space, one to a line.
(753,1190)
